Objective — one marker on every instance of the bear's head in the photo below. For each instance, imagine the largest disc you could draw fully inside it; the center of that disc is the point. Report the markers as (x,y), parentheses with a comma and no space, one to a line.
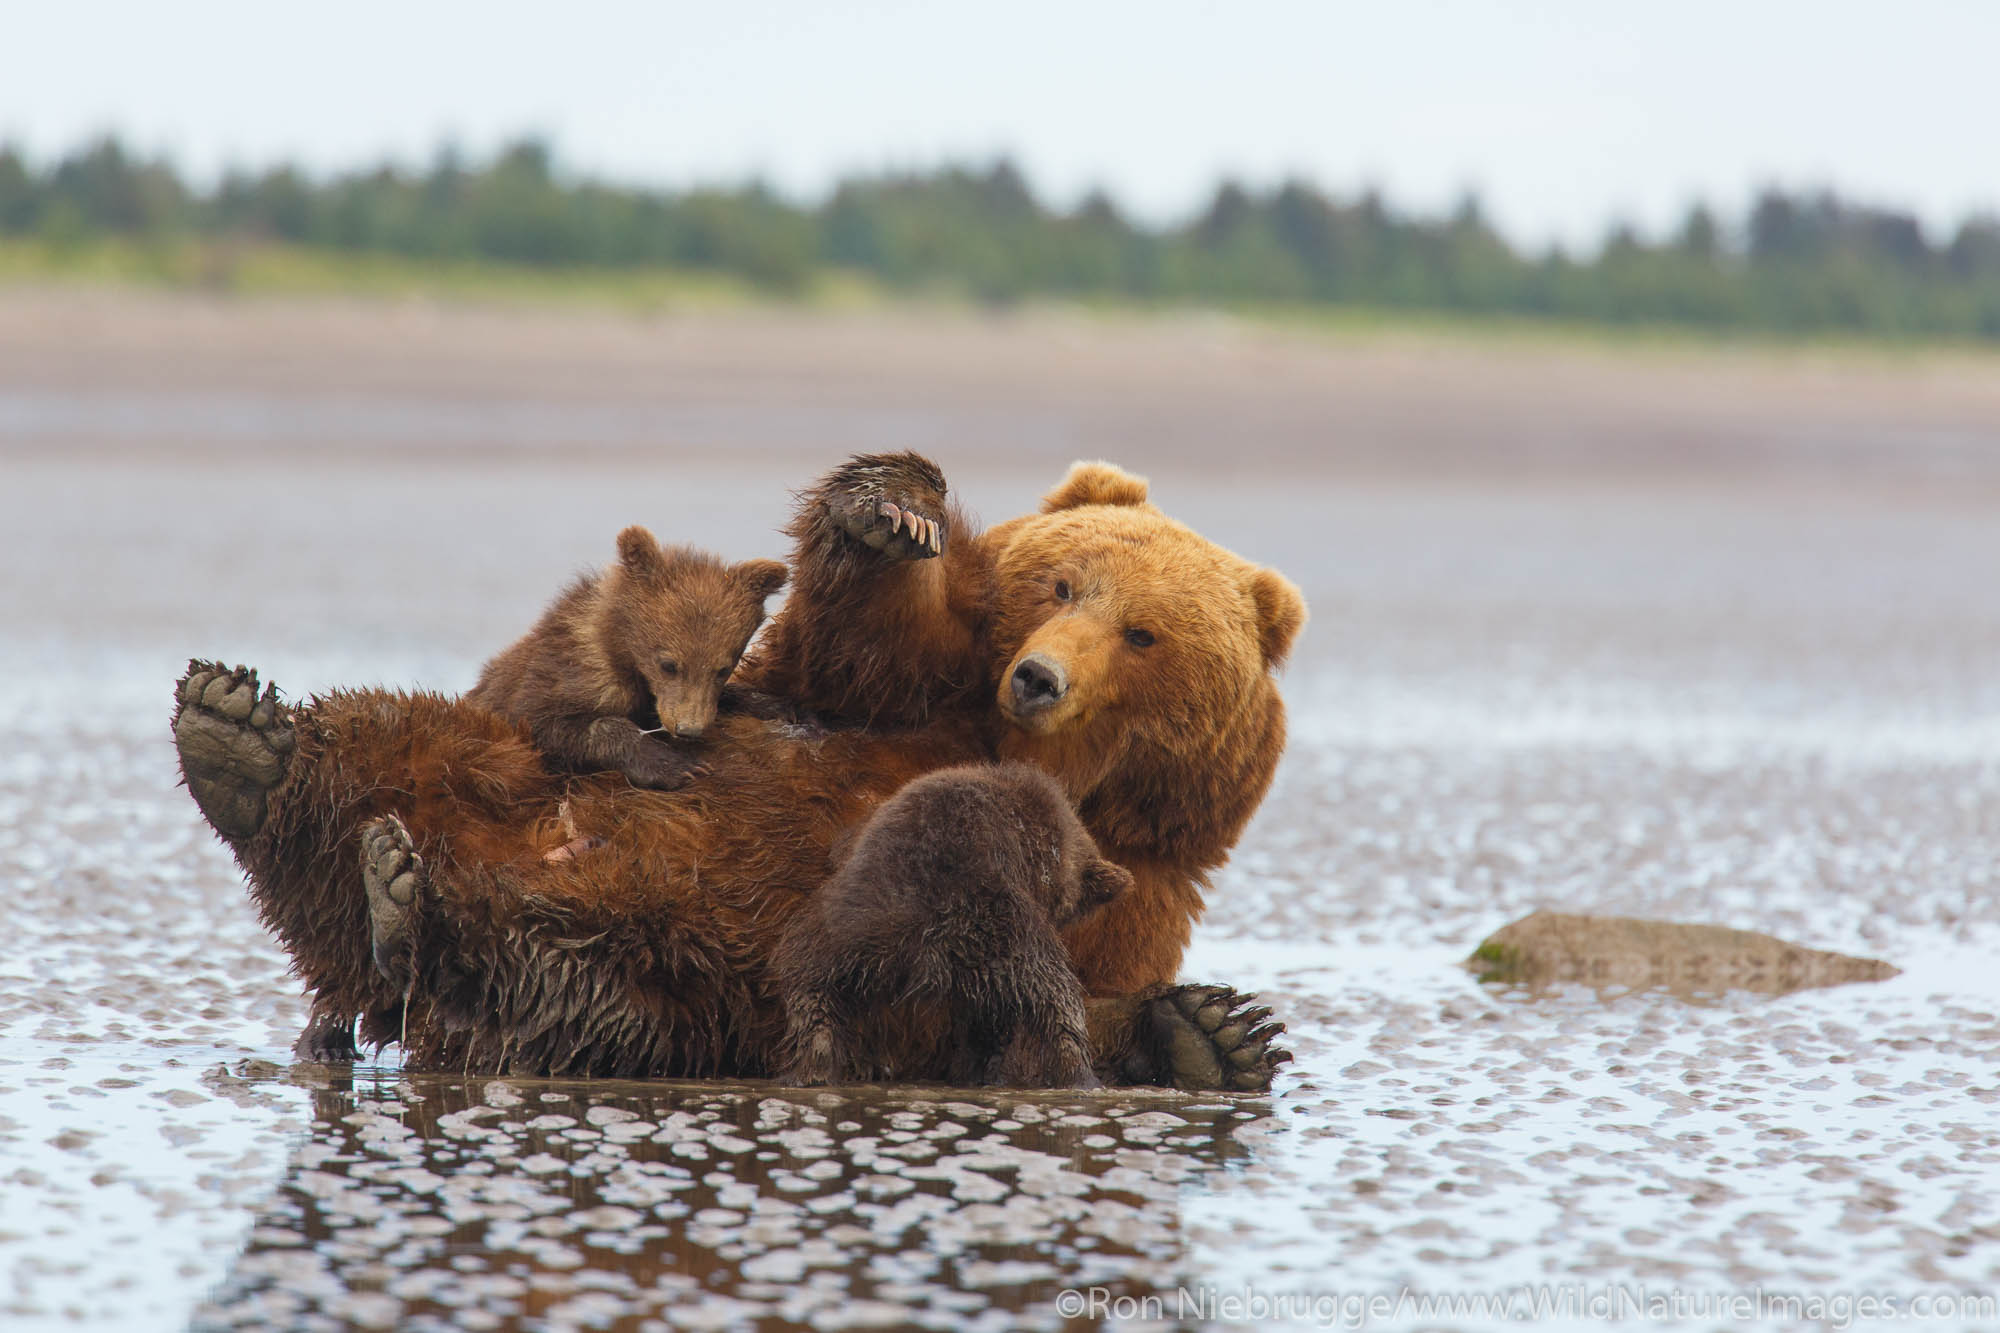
(1134,661)
(677,619)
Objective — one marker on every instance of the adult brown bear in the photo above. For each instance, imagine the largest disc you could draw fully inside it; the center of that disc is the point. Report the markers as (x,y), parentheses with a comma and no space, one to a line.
(1098,639)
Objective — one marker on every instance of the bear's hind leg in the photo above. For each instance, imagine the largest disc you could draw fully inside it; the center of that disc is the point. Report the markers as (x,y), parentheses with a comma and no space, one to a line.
(235,746)
(392,875)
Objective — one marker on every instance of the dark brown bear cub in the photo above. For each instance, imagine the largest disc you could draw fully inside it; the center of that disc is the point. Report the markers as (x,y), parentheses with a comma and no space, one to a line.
(631,660)
(943,916)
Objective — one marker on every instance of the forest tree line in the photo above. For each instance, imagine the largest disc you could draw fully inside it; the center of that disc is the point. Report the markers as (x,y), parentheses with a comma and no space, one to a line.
(1798,262)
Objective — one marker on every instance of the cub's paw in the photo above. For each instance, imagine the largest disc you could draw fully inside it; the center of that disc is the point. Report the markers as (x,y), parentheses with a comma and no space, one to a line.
(234,744)
(1034,1060)
(1205,1038)
(661,766)
(892,503)
(327,1039)
(392,874)
(811,1066)
(812,1055)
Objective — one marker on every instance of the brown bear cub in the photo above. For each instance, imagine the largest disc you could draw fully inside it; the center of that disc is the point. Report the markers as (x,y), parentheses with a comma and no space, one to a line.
(943,916)
(632,660)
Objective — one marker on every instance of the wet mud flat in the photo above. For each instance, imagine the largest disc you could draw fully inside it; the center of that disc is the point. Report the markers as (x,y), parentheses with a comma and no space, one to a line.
(1749,685)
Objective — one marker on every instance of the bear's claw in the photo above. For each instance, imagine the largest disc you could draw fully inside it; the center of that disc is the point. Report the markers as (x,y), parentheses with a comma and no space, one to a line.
(328,1039)
(235,745)
(659,765)
(1210,1037)
(392,874)
(890,503)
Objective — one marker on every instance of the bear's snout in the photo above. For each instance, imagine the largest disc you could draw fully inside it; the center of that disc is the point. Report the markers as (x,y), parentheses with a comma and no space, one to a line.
(1039,683)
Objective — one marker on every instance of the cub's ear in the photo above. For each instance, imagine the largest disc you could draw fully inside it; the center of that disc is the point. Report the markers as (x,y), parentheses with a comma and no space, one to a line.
(761,577)
(1281,613)
(1095,484)
(638,552)
(1102,882)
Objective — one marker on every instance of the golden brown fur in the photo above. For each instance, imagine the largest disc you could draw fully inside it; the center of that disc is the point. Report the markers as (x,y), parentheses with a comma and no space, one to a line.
(628,664)
(1166,750)
(652,954)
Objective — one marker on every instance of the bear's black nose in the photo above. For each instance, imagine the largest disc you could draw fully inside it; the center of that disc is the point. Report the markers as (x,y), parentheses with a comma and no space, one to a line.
(1038,683)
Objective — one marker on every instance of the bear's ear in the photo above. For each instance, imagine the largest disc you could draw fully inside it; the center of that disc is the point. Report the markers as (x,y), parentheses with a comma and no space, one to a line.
(1281,612)
(639,553)
(1102,881)
(761,577)
(1095,484)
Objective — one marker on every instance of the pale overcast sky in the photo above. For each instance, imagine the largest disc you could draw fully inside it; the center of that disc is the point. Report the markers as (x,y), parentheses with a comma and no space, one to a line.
(1564,114)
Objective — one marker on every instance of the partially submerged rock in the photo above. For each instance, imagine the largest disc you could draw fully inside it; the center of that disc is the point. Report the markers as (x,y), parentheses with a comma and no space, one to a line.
(1551,947)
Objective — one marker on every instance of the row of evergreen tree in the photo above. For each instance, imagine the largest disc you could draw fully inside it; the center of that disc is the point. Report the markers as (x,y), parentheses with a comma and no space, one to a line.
(1798,263)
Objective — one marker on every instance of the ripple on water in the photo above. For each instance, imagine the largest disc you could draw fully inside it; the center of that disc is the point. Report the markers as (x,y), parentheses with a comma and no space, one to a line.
(439,1203)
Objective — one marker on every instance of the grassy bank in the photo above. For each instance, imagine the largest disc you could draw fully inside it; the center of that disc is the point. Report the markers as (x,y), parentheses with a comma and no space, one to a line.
(276,270)
(271,270)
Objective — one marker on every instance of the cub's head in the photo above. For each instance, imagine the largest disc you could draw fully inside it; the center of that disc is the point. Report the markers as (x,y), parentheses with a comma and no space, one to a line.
(1084,880)
(678,619)
(1135,663)
(1014,820)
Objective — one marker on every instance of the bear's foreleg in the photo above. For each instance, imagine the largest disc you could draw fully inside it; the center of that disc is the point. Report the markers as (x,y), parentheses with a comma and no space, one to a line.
(888,584)
(1195,1038)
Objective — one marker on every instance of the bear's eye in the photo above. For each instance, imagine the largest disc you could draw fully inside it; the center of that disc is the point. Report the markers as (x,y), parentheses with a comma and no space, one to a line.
(1139,638)
(722,675)
(1062,590)
(670,668)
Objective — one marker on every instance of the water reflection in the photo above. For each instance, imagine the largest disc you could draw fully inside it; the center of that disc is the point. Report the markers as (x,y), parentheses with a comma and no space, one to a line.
(429,1202)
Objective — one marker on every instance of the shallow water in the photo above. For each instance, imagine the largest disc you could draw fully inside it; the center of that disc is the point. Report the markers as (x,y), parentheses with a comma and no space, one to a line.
(1769,709)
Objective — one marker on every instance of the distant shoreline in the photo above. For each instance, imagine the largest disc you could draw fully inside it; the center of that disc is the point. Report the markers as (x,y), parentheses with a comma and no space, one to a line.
(209,268)
(1797,262)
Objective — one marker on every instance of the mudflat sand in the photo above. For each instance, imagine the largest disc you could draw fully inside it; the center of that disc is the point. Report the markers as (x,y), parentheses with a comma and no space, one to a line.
(1685,635)
(123,370)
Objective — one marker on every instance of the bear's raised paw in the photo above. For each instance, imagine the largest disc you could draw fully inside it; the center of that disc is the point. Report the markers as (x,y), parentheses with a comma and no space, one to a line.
(235,745)
(892,503)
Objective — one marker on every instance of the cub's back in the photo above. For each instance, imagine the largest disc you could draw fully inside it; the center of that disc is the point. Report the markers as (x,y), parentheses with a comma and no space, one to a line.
(553,658)
(958,855)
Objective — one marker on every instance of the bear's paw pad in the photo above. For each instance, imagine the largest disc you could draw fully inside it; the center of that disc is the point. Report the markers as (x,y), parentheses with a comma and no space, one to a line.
(235,744)
(1211,1038)
(392,874)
